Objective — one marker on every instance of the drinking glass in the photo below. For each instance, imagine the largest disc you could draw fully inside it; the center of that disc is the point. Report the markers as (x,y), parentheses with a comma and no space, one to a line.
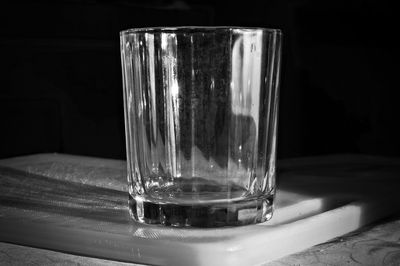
(201,106)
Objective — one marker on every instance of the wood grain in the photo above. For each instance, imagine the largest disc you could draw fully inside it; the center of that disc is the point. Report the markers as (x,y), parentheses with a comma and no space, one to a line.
(373,245)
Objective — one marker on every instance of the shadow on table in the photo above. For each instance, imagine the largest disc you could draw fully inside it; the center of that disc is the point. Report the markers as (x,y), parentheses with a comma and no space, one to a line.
(330,183)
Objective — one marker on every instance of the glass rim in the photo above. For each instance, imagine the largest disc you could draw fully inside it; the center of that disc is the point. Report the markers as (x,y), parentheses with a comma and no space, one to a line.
(195,29)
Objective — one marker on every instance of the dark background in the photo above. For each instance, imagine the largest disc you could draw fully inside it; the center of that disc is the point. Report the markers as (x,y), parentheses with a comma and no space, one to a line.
(60,74)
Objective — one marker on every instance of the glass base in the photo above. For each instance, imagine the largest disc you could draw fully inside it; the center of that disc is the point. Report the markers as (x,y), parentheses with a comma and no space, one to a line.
(230,213)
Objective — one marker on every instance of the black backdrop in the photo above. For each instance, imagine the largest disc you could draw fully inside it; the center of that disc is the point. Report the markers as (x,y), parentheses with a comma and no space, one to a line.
(60,77)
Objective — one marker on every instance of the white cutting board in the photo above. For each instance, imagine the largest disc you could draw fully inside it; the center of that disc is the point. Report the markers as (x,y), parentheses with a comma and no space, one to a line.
(317,199)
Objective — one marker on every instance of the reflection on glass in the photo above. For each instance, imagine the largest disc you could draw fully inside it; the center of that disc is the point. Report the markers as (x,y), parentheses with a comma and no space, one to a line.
(201,114)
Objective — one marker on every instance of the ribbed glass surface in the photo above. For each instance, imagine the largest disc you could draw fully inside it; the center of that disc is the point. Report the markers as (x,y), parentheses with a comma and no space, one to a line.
(201,115)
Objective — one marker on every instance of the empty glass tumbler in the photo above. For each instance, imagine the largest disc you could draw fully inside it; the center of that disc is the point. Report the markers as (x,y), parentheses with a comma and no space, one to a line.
(201,107)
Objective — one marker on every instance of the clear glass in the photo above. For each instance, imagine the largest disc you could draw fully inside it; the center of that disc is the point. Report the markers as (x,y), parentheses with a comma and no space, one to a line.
(201,106)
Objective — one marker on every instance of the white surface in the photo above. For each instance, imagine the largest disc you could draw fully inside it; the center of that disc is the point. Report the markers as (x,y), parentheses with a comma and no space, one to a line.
(315,203)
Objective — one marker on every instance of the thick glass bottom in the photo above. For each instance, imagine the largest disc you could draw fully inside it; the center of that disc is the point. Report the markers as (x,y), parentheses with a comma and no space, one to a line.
(218,214)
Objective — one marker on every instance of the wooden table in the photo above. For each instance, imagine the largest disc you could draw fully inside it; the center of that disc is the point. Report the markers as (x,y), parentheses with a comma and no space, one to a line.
(46,197)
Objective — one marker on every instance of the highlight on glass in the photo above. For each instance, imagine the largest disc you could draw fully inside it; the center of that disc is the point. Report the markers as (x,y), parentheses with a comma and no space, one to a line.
(201,107)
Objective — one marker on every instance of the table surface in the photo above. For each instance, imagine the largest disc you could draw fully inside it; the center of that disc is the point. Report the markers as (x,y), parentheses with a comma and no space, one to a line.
(374,244)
